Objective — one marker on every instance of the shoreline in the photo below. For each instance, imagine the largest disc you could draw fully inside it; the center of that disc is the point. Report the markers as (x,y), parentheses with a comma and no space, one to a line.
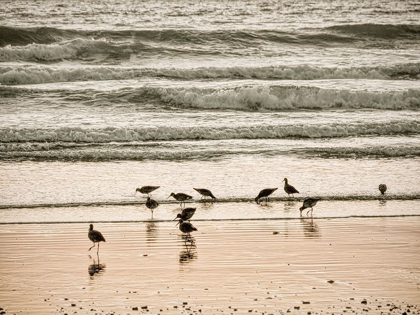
(320,266)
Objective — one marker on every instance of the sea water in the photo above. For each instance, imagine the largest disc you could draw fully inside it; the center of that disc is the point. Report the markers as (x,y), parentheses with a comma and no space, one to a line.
(98,98)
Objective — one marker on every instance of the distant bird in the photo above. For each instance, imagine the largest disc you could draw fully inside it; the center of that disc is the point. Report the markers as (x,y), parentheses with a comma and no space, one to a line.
(186,227)
(309,203)
(186,214)
(382,188)
(95,237)
(181,197)
(264,194)
(205,192)
(147,189)
(151,204)
(289,189)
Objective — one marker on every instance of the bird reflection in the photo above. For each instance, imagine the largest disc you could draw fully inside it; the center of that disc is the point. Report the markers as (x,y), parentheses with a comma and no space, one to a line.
(382,202)
(189,252)
(310,228)
(289,205)
(96,268)
(151,231)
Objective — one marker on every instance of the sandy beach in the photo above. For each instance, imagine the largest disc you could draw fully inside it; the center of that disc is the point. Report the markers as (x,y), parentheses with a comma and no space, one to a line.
(297,266)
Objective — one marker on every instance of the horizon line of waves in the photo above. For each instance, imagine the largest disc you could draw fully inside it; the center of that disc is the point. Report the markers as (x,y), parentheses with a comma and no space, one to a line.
(218,220)
(30,74)
(344,33)
(386,197)
(113,134)
(41,153)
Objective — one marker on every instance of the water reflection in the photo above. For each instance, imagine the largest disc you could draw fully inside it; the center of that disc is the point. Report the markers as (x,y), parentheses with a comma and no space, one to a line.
(189,252)
(310,228)
(290,206)
(151,231)
(96,268)
(209,204)
(382,202)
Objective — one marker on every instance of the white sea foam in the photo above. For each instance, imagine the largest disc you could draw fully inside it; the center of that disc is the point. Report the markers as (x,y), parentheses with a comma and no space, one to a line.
(107,135)
(17,75)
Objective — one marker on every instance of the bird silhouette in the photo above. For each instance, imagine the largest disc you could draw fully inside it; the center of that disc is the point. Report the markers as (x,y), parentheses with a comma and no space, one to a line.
(205,193)
(309,203)
(264,194)
(186,214)
(180,197)
(147,189)
(289,189)
(95,237)
(151,204)
(382,188)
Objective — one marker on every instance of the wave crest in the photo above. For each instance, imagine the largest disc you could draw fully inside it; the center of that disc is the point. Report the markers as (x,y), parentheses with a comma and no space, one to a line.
(46,74)
(110,134)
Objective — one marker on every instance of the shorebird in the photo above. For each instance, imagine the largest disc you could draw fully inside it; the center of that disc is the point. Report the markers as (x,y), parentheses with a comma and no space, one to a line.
(151,204)
(186,214)
(382,188)
(95,237)
(309,203)
(147,189)
(264,194)
(186,227)
(289,189)
(180,197)
(205,193)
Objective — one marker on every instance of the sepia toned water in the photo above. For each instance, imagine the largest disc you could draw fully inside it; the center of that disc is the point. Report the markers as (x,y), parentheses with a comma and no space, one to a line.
(98,98)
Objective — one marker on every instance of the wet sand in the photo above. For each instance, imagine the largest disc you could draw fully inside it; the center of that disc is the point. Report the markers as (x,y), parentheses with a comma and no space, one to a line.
(296,266)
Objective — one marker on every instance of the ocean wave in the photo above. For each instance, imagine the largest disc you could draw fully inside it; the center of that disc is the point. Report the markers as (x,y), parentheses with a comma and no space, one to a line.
(18,75)
(286,98)
(231,37)
(77,49)
(51,44)
(367,152)
(122,135)
(385,31)
(264,97)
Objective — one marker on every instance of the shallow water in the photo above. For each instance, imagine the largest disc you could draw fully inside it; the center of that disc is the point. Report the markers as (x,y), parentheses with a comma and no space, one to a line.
(305,265)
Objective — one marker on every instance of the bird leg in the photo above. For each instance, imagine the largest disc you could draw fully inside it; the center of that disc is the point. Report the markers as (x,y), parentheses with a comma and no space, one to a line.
(97,252)
(312,209)
(92,246)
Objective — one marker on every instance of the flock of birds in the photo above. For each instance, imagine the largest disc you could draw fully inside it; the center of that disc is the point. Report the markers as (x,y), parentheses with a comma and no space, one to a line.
(184,217)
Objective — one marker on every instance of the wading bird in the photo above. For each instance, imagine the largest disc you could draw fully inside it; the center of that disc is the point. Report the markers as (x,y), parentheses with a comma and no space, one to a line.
(264,194)
(382,188)
(95,237)
(147,189)
(186,227)
(151,204)
(309,203)
(186,214)
(180,197)
(289,189)
(205,193)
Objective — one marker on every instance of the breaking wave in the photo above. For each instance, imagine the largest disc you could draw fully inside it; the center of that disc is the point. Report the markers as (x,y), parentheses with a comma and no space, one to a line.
(9,136)
(43,74)
(51,44)
(48,35)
